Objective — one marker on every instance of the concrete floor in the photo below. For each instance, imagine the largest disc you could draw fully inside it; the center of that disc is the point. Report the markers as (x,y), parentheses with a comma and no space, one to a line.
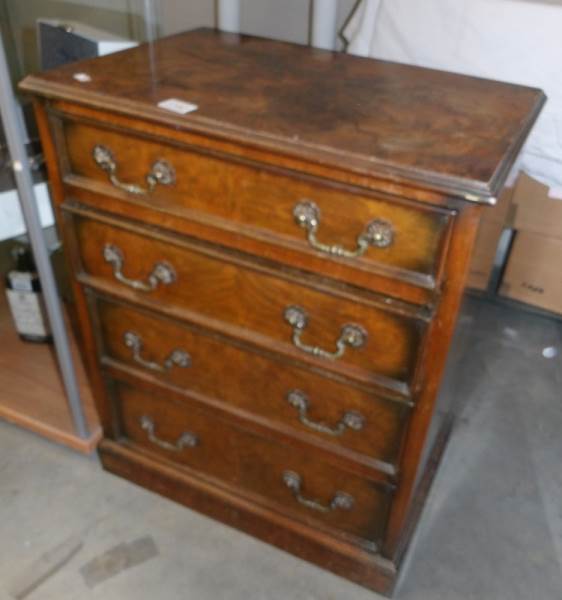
(492,529)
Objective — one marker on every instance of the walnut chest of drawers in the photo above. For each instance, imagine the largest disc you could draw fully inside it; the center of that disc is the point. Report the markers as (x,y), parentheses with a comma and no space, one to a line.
(266,286)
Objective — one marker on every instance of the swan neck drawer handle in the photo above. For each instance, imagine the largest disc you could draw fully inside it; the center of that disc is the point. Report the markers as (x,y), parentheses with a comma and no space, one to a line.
(161,172)
(186,439)
(341,500)
(178,358)
(350,420)
(351,335)
(162,272)
(378,233)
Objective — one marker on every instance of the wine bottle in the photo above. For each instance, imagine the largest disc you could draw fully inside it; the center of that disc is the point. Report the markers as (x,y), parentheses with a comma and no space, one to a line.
(25,299)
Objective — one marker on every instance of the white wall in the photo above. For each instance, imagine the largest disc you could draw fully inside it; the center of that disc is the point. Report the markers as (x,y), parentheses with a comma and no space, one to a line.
(287,20)
(279,19)
(179,15)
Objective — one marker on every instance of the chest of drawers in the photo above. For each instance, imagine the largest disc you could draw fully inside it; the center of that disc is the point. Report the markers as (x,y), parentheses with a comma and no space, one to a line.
(266,287)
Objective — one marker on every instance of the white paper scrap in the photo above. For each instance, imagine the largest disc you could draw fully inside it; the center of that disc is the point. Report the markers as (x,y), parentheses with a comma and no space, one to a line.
(82,77)
(177,106)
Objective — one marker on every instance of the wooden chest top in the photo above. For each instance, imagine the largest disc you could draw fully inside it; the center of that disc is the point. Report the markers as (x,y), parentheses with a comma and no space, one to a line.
(436,130)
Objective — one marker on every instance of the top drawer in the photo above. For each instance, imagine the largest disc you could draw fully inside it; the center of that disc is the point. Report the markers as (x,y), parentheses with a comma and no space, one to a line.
(336,230)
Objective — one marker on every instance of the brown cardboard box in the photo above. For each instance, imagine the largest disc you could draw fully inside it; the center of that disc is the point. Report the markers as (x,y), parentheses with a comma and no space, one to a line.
(534,210)
(534,268)
(534,271)
(492,224)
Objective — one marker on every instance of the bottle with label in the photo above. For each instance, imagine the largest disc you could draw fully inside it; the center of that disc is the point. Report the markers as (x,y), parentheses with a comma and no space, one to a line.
(25,299)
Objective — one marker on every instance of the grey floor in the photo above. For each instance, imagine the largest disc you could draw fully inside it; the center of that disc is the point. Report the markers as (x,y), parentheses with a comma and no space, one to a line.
(492,528)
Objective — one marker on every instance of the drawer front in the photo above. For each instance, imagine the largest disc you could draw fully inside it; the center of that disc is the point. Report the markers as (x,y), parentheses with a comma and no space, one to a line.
(330,328)
(289,397)
(301,485)
(388,236)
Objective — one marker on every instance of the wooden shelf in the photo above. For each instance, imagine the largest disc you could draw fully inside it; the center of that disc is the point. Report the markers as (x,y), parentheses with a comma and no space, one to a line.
(31,390)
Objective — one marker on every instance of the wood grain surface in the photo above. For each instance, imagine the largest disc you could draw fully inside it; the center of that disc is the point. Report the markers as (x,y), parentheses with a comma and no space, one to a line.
(32,394)
(260,203)
(254,301)
(444,131)
(245,378)
(253,463)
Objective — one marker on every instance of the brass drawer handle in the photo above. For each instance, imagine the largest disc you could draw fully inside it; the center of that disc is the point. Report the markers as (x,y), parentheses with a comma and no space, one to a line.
(161,172)
(179,358)
(350,420)
(341,500)
(162,273)
(186,439)
(377,233)
(351,335)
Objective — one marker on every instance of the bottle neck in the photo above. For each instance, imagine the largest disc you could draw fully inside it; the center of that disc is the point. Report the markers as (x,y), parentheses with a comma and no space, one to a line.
(23,259)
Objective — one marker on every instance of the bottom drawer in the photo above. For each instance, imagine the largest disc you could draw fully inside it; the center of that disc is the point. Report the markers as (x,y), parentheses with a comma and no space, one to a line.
(300,484)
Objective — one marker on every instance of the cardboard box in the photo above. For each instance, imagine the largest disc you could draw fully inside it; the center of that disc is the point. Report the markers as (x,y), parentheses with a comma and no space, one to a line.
(533,274)
(494,220)
(534,210)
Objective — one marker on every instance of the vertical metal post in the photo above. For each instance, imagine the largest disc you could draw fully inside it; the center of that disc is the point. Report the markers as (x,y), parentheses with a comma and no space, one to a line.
(228,15)
(150,20)
(15,138)
(324,24)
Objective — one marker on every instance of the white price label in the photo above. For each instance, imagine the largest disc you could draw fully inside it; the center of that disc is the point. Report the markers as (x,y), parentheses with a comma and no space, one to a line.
(21,281)
(28,312)
(177,106)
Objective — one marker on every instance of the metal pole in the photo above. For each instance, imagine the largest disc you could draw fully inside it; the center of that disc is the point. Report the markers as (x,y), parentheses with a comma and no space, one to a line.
(324,24)
(150,21)
(20,164)
(228,17)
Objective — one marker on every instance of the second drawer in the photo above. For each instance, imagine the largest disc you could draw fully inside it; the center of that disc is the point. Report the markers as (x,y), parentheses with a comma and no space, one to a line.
(356,336)
(286,395)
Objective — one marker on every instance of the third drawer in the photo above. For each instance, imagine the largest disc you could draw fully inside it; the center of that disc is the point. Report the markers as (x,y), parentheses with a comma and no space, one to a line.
(292,399)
